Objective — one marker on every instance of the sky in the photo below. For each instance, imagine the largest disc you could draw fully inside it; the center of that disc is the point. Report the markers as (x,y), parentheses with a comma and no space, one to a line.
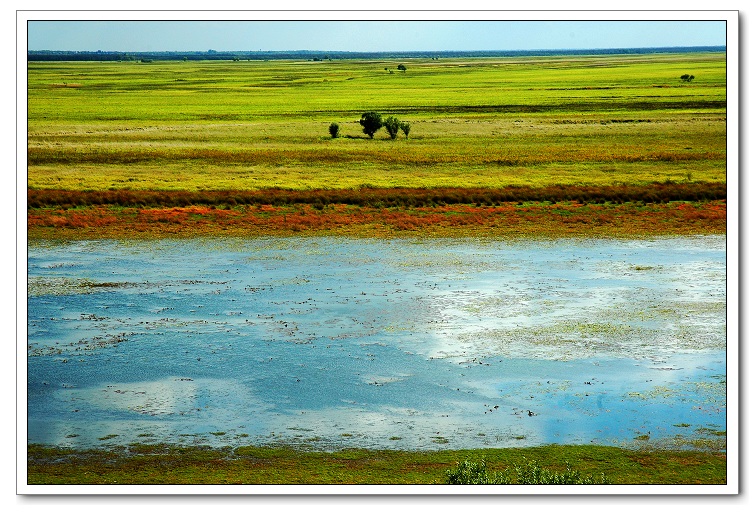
(368,36)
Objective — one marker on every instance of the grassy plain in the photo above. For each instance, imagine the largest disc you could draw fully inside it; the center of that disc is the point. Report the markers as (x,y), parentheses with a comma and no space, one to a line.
(474,123)
(534,122)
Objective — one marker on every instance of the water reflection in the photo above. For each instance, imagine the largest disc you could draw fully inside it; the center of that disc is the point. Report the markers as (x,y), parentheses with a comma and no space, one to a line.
(333,342)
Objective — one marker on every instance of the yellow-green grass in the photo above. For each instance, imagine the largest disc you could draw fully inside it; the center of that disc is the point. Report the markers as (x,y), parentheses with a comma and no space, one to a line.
(474,122)
(264,90)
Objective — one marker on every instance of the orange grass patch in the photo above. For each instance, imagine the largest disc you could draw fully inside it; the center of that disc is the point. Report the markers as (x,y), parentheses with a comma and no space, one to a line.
(505,220)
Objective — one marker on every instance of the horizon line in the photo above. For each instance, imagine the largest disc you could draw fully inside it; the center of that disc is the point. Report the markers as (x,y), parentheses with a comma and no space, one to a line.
(212,51)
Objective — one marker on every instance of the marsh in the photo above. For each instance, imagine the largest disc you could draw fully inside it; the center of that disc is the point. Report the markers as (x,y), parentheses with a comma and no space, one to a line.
(332,342)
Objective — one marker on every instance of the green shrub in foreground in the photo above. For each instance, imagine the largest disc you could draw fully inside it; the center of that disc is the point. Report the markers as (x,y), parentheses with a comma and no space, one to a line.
(531,473)
(474,473)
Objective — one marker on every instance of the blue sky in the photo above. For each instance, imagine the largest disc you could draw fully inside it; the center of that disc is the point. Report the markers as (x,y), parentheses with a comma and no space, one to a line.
(368,35)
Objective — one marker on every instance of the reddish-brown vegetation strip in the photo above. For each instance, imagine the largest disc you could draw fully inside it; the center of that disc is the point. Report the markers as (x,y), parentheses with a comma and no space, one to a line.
(505,219)
(383,197)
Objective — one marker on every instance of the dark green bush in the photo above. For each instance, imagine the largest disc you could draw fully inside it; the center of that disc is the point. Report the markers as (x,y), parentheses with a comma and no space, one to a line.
(371,122)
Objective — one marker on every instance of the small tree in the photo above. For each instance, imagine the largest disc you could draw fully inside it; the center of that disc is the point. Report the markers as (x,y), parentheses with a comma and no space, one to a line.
(687,77)
(371,122)
(404,126)
(392,125)
(401,67)
(334,130)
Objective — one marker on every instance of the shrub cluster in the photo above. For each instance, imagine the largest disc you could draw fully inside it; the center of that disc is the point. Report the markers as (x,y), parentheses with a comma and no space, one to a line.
(531,473)
(393,125)
(372,122)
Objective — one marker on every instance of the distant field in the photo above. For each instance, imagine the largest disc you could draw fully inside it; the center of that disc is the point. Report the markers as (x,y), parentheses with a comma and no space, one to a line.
(488,123)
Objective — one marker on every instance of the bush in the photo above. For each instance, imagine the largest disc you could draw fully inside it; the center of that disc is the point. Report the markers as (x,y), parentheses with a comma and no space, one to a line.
(531,473)
(404,126)
(473,473)
(334,130)
(371,122)
(392,125)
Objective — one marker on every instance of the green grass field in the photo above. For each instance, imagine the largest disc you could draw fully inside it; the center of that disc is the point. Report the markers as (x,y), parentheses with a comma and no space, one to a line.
(474,123)
(162,464)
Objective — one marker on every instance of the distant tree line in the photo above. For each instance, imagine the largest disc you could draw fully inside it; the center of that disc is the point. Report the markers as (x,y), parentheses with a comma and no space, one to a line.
(99,55)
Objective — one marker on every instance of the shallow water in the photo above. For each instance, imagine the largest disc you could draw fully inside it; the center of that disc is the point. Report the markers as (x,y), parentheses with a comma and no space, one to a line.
(407,344)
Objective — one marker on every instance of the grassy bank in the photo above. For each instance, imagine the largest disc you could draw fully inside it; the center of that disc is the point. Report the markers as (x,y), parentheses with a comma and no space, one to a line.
(622,210)
(162,464)
(508,219)
(488,123)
